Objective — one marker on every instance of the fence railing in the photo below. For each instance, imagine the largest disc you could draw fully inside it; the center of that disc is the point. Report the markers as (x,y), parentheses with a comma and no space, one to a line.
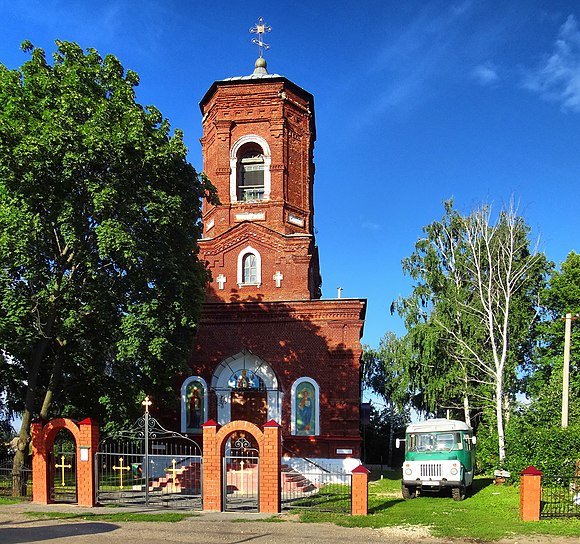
(6,479)
(313,485)
(560,496)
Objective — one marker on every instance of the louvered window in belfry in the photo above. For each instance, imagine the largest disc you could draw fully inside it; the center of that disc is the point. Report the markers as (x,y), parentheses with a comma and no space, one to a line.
(251,177)
(250,269)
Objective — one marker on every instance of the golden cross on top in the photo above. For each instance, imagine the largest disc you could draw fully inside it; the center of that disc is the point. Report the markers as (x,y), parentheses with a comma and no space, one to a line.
(147,403)
(260,28)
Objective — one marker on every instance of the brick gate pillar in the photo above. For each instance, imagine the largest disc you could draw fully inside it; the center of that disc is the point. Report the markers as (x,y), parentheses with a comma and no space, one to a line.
(212,471)
(360,491)
(530,494)
(40,485)
(87,446)
(270,467)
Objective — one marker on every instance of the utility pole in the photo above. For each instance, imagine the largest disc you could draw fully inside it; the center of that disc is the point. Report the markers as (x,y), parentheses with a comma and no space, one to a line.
(566,376)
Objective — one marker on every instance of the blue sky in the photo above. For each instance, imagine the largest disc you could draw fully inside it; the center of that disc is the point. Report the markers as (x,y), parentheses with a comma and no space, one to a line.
(416,102)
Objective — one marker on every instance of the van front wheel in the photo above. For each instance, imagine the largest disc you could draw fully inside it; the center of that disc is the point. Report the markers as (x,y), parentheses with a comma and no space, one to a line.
(409,492)
(458,493)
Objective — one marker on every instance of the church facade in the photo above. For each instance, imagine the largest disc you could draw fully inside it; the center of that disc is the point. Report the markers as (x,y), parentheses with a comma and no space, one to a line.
(268,346)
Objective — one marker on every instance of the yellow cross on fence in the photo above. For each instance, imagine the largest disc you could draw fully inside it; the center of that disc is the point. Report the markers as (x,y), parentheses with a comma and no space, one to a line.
(173,471)
(121,469)
(62,466)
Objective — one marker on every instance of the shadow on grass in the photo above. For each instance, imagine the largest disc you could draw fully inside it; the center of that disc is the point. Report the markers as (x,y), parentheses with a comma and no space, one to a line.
(381,507)
(479,484)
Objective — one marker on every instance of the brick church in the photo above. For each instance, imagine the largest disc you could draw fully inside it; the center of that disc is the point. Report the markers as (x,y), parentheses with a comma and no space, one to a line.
(268,346)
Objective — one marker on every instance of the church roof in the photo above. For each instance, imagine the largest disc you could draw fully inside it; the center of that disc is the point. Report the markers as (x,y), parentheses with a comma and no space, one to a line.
(260,74)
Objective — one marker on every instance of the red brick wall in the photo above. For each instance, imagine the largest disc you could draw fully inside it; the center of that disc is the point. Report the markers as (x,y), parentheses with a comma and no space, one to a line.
(318,339)
(292,257)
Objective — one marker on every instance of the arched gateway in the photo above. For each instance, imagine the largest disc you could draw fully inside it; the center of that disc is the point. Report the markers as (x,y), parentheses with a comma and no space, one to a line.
(86,438)
(216,440)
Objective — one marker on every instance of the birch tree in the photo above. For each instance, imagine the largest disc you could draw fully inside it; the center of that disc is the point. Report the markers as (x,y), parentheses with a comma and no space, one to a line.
(473,308)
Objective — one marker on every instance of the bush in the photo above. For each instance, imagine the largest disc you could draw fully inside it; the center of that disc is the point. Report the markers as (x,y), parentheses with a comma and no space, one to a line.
(552,450)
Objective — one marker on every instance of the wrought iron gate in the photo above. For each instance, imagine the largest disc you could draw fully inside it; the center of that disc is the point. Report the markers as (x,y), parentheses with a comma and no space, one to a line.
(151,466)
(63,479)
(241,476)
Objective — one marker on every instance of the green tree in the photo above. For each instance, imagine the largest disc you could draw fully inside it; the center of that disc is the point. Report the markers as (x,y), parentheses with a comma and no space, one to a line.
(544,385)
(100,285)
(384,374)
(471,315)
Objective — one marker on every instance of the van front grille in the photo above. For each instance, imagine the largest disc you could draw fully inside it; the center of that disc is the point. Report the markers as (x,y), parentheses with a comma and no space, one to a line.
(431,470)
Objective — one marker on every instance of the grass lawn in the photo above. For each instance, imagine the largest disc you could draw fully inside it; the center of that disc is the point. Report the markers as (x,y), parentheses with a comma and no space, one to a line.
(11,500)
(490,512)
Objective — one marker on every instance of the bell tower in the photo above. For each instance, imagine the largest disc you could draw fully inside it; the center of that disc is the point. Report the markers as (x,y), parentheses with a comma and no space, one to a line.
(268,346)
(258,143)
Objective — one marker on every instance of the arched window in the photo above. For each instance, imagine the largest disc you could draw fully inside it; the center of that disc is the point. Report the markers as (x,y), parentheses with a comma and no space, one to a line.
(305,407)
(251,176)
(250,161)
(249,267)
(193,404)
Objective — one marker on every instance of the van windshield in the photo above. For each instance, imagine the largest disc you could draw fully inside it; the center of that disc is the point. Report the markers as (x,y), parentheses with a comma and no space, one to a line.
(434,442)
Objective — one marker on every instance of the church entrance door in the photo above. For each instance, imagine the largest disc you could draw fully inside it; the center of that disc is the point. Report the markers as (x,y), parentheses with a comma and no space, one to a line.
(250,406)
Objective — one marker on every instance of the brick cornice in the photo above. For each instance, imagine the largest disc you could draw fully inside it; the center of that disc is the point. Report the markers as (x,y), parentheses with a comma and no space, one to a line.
(301,310)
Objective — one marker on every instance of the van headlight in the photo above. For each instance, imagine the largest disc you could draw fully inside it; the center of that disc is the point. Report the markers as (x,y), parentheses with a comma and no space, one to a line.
(453,471)
(408,471)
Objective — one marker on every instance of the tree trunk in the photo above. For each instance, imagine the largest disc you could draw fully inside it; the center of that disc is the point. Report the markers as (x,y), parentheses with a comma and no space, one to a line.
(18,481)
(467,410)
(48,396)
(391,434)
(499,416)
(22,444)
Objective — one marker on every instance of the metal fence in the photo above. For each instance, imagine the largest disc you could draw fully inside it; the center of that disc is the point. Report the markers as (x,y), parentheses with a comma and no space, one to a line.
(241,476)
(6,478)
(560,496)
(151,466)
(314,485)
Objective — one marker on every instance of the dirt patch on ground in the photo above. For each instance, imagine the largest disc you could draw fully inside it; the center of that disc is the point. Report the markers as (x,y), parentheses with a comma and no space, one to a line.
(408,533)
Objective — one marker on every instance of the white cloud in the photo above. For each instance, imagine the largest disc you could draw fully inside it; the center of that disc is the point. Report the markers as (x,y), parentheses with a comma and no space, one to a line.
(485,74)
(557,78)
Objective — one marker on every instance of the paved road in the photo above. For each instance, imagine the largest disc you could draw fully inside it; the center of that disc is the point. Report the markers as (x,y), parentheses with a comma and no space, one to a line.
(204,528)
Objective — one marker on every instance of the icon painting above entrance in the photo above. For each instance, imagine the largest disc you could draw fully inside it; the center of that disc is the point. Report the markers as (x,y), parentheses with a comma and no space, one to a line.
(246,389)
